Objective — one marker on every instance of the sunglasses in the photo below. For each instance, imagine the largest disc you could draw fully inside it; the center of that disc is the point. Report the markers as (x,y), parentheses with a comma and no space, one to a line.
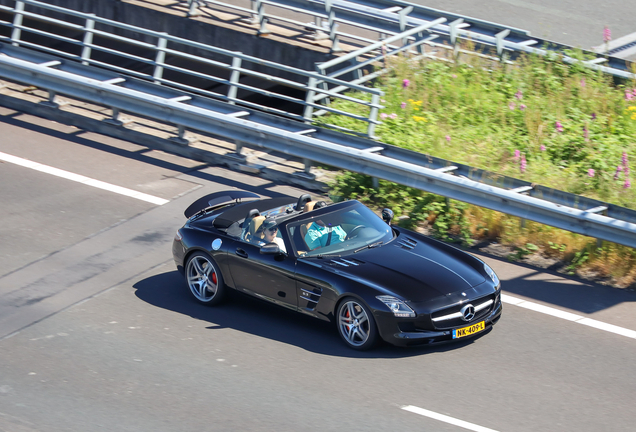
(274,229)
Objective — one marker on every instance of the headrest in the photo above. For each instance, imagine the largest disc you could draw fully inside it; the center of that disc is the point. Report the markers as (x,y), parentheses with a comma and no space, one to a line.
(251,214)
(304,199)
(309,206)
(255,224)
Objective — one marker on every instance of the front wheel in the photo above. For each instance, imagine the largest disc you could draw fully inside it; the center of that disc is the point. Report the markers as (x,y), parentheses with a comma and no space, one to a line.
(356,325)
(204,279)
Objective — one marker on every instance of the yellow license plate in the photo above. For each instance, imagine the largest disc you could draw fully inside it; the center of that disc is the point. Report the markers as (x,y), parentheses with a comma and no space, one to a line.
(470,330)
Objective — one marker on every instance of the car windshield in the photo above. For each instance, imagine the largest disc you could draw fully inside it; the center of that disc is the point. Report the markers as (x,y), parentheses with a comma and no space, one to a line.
(339,232)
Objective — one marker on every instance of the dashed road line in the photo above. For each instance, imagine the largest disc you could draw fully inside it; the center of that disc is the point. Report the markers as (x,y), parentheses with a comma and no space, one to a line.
(446,419)
(568,316)
(82,179)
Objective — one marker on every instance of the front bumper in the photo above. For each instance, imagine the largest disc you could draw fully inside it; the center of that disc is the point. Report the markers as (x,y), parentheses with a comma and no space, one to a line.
(390,330)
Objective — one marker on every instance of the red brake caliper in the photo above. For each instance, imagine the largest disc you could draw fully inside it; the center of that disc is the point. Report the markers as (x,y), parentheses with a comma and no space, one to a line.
(214,278)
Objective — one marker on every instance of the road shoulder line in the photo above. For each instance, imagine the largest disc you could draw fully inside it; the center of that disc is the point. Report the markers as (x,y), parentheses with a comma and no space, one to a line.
(505,298)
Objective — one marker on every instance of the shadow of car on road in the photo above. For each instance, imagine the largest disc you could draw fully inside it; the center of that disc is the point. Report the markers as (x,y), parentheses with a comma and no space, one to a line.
(250,315)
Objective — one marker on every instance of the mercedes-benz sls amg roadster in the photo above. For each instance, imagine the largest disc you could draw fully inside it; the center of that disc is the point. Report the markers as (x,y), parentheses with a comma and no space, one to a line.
(339,262)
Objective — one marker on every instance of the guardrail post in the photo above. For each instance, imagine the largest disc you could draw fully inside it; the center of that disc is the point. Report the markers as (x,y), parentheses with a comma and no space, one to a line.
(333,28)
(160,58)
(454,32)
(114,119)
(373,115)
(319,34)
(17,23)
(180,139)
(235,76)
(193,8)
(88,40)
(309,99)
(262,20)
(402,14)
(51,101)
(500,44)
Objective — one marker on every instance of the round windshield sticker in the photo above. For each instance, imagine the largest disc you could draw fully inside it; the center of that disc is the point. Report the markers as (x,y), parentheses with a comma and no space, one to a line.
(216,244)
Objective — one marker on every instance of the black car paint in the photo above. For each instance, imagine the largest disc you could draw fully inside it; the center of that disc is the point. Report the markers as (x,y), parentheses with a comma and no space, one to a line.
(315,285)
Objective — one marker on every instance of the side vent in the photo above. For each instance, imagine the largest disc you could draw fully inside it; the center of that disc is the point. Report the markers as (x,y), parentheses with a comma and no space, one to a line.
(311,297)
(407,243)
(349,262)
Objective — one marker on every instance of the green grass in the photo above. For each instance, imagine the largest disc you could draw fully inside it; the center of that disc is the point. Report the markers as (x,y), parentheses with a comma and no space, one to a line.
(492,117)
(563,126)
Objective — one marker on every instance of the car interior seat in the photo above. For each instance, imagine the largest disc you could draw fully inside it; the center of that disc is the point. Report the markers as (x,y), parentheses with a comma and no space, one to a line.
(254,234)
(246,223)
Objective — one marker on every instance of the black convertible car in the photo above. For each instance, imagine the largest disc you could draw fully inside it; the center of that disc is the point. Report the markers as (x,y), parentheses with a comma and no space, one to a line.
(337,262)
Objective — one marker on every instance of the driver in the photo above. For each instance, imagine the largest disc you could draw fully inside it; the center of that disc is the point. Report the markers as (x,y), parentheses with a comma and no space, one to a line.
(320,234)
(270,231)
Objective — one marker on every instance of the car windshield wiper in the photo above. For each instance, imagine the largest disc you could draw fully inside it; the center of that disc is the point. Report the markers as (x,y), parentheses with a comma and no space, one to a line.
(369,246)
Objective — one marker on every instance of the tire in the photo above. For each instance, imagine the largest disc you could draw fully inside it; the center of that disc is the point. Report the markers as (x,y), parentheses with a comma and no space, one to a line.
(204,279)
(356,324)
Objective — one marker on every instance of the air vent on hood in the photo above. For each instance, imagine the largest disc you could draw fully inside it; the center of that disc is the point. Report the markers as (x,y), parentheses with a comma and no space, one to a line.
(407,243)
(347,262)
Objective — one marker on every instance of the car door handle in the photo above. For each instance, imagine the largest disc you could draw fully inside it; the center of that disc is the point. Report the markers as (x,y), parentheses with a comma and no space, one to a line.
(240,252)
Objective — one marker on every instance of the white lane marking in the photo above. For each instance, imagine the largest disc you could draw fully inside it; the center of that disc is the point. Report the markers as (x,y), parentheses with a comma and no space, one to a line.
(447,419)
(82,179)
(505,298)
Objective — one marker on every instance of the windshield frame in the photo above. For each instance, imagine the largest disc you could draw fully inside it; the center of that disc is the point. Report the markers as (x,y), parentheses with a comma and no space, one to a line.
(347,215)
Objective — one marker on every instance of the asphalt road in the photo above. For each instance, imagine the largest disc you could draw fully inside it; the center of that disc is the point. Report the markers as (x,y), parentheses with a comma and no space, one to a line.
(99,332)
(579,23)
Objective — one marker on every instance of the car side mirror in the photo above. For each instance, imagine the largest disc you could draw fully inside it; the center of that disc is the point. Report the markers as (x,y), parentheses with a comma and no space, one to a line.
(387,215)
(271,249)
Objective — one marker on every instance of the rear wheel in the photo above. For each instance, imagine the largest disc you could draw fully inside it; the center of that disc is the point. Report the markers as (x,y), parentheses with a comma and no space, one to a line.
(356,325)
(204,279)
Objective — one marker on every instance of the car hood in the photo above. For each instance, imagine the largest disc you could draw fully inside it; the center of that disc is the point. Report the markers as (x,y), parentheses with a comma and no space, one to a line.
(416,273)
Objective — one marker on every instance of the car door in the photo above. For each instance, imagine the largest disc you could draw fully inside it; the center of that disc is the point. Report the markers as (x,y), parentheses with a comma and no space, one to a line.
(271,277)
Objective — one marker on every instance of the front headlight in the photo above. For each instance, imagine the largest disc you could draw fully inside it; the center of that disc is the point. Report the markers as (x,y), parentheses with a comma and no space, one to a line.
(492,274)
(397,306)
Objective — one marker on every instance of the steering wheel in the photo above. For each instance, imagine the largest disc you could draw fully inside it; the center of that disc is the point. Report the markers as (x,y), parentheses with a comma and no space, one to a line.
(354,232)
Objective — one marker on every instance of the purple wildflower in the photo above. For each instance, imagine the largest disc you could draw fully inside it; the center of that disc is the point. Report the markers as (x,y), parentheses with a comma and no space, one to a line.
(523,164)
(522,107)
(542,147)
(590,172)
(627,184)
(406,83)
(517,154)
(393,116)
(403,105)
(607,34)
(593,116)
(628,96)
(511,105)
(519,95)
(618,172)
(582,82)
(558,126)
(383,116)
(624,159)
(448,138)
(586,133)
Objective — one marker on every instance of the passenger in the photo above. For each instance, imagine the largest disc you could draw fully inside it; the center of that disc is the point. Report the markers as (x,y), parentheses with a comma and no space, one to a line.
(270,231)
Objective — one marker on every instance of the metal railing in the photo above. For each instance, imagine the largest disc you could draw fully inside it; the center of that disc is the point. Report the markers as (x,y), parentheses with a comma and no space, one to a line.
(162,63)
(547,206)
(392,17)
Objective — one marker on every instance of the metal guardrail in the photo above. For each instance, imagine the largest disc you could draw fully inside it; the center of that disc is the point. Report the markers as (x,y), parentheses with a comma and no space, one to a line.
(392,17)
(346,152)
(167,53)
